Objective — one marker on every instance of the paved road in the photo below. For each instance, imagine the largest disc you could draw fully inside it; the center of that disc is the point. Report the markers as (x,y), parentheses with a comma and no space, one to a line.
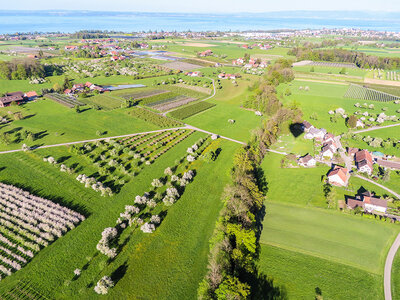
(376,128)
(380,185)
(388,268)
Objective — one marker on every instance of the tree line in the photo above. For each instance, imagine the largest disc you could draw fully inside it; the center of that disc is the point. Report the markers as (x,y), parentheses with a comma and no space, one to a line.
(360,59)
(17,69)
(234,246)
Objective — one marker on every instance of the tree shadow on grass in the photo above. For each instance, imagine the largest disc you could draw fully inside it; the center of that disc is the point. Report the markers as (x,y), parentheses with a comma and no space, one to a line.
(296,129)
(263,287)
(63,159)
(119,272)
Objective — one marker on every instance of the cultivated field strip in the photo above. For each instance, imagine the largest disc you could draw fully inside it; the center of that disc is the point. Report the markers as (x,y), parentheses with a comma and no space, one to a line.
(173,104)
(333,64)
(65,100)
(27,224)
(359,92)
(143,94)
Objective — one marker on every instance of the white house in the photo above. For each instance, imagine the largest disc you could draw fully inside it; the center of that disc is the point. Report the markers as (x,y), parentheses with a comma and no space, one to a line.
(339,176)
(315,133)
(307,161)
(326,151)
(365,166)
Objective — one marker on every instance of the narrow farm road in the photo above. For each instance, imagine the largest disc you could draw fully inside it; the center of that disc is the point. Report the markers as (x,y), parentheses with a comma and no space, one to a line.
(222,137)
(380,185)
(93,140)
(205,99)
(387,276)
(122,136)
(376,128)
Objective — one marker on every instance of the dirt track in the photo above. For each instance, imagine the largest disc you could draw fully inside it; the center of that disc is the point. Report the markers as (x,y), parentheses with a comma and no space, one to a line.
(382,82)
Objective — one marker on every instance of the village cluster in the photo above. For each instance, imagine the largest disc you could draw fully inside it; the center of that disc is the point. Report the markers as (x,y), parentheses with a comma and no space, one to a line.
(360,159)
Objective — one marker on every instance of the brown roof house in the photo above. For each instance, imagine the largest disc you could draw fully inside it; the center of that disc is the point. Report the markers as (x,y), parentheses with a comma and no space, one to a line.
(338,176)
(368,203)
(364,161)
(9,98)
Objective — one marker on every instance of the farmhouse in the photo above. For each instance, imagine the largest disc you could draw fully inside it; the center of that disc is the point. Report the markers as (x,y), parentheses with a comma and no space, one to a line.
(368,203)
(31,95)
(338,176)
(238,62)
(9,98)
(352,151)
(193,74)
(206,53)
(326,151)
(307,126)
(307,161)
(364,161)
(315,133)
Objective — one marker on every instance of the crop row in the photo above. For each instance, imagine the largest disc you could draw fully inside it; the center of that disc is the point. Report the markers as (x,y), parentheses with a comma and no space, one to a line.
(359,92)
(172,105)
(191,110)
(154,118)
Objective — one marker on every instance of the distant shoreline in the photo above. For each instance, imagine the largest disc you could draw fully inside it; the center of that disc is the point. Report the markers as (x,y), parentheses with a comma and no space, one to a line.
(72,21)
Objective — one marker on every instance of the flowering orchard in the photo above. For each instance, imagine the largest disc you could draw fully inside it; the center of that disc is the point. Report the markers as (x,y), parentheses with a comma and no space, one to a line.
(146,211)
(116,162)
(28,224)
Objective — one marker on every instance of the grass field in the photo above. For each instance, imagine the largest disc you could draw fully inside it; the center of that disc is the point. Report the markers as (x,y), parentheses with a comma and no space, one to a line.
(55,123)
(396,277)
(297,145)
(329,234)
(300,274)
(323,97)
(106,101)
(228,101)
(331,70)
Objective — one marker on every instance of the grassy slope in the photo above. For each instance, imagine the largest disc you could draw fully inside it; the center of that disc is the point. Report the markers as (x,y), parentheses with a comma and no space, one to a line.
(328,234)
(299,274)
(228,101)
(396,276)
(53,266)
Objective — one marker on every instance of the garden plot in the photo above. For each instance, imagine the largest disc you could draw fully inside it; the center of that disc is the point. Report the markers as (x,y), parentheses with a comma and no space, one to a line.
(28,224)
(65,100)
(173,103)
(142,94)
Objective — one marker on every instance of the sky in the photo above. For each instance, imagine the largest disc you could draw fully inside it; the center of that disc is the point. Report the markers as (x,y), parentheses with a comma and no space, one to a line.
(203,6)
